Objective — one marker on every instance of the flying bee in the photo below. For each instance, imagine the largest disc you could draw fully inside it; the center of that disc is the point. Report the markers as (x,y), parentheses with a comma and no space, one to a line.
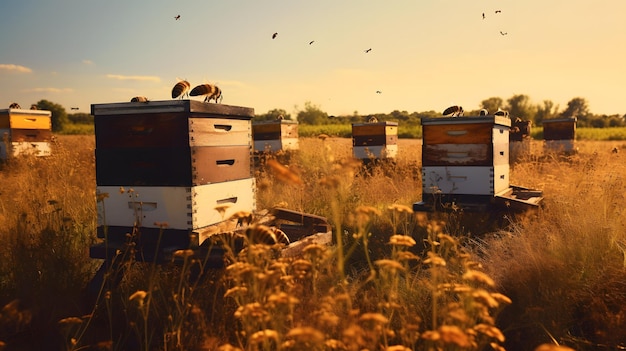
(261,234)
(139,99)
(209,91)
(180,89)
(453,111)
(15,105)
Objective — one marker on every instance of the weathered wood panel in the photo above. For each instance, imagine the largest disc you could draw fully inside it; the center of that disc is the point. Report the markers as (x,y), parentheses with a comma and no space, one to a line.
(219,132)
(380,128)
(30,135)
(180,207)
(276,145)
(375,151)
(171,166)
(25,119)
(142,130)
(373,140)
(480,133)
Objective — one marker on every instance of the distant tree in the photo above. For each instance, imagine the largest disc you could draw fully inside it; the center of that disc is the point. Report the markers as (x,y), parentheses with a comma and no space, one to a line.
(577,107)
(312,114)
(272,115)
(547,111)
(80,118)
(519,106)
(59,115)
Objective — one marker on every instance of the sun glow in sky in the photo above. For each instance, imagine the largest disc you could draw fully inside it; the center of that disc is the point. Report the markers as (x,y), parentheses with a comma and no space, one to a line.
(425,55)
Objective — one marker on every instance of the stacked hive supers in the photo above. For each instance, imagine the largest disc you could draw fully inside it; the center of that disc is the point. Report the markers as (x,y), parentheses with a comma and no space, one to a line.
(375,140)
(171,169)
(465,159)
(25,132)
(274,136)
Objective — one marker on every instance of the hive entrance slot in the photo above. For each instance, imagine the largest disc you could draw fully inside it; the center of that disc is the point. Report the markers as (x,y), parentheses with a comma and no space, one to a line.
(225,162)
(230,200)
(224,127)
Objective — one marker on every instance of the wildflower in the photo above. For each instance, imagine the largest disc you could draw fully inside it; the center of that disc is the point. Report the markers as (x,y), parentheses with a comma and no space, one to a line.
(238,290)
(70,321)
(406,256)
(451,334)
(397,348)
(491,331)
(435,259)
(552,347)
(282,298)
(228,347)
(374,317)
(183,253)
(284,174)
(335,344)
(139,295)
(390,265)
(264,335)
(485,298)
(402,240)
(478,276)
(306,335)
(445,238)
(501,298)
(400,209)
(431,335)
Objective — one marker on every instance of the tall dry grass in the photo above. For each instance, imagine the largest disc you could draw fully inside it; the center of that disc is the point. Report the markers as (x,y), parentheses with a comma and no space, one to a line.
(394,280)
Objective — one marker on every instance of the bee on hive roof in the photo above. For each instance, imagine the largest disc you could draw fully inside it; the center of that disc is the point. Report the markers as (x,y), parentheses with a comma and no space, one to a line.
(139,99)
(180,89)
(209,91)
(502,113)
(15,105)
(453,111)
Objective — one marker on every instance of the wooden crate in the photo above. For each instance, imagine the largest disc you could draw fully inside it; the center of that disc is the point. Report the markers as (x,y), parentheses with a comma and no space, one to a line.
(276,135)
(182,208)
(375,140)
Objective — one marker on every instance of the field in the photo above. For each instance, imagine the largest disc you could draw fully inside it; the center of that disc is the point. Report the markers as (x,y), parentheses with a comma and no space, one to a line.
(394,280)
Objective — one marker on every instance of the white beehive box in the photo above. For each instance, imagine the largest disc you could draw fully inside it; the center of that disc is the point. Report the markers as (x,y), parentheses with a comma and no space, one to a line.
(375,140)
(465,155)
(276,135)
(186,208)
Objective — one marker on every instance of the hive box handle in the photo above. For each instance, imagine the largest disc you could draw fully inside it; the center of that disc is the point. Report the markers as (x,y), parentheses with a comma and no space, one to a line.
(224,127)
(225,162)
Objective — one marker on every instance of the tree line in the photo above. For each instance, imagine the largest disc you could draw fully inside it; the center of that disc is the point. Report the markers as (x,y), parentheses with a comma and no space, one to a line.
(518,106)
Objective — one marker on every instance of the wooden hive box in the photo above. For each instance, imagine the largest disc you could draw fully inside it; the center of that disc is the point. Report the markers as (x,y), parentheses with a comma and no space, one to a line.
(276,135)
(171,143)
(25,132)
(187,162)
(465,155)
(560,134)
(378,140)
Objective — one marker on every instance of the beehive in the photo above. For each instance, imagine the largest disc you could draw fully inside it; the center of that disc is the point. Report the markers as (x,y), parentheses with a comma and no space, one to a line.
(560,135)
(182,162)
(520,139)
(465,157)
(25,132)
(274,136)
(375,140)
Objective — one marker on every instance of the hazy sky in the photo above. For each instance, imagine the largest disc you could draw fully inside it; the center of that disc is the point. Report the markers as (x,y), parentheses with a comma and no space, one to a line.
(425,54)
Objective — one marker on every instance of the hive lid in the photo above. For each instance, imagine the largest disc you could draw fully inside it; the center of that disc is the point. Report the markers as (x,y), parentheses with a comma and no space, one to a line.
(490,119)
(383,123)
(172,106)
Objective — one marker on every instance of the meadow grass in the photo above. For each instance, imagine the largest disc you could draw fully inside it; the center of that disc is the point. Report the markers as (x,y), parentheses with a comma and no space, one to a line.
(394,280)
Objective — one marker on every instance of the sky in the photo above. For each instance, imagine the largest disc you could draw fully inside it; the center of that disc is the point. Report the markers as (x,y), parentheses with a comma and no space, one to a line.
(425,54)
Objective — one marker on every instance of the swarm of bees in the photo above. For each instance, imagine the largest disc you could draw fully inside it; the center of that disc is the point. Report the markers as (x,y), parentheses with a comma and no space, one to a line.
(209,91)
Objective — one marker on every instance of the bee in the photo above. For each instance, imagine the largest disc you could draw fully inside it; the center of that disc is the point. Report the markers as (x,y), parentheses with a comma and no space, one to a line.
(139,99)
(502,113)
(15,105)
(180,89)
(34,107)
(177,17)
(483,112)
(261,234)
(274,35)
(453,111)
(209,91)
